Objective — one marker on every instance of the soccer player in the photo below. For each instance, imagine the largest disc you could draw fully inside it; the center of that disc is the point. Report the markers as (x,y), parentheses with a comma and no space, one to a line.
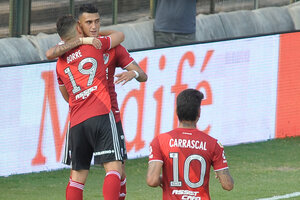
(89,21)
(186,154)
(81,75)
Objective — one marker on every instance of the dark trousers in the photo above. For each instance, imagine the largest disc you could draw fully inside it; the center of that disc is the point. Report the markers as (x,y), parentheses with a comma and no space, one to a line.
(167,39)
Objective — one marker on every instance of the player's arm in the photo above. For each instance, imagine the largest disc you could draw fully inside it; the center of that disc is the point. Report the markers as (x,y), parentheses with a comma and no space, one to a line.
(116,38)
(154,178)
(60,50)
(64,93)
(107,32)
(133,71)
(126,62)
(225,179)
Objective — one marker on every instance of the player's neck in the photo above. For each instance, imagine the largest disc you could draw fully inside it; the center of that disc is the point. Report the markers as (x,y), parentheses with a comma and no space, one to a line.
(187,124)
(71,39)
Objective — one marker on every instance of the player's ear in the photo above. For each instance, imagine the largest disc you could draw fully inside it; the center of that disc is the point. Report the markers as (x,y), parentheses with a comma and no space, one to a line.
(198,116)
(78,28)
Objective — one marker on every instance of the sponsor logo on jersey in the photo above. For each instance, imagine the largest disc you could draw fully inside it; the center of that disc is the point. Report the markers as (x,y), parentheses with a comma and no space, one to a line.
(187,194)
(186,197)
(186,133)
(86,93)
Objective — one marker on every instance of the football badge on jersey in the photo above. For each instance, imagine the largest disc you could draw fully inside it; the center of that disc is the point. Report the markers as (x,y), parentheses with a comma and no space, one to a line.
(105,58)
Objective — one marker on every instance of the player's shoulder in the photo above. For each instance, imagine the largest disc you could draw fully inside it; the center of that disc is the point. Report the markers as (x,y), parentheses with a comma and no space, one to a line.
(209,138)
(166,135)
(197,134)
(60,65)
(120,47)
(213,142)
(111,51)
(160,140)
(60,61)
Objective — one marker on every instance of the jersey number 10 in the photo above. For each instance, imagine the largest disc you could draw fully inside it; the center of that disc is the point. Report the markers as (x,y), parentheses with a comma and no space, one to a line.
(186,168)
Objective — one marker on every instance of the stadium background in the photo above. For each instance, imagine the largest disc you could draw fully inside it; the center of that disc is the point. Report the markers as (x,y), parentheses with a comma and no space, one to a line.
(42,14)
(22,99)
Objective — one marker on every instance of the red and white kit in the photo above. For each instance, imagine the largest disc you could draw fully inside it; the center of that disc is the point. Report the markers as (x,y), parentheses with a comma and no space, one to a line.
(187,155)
(115,57)
(83,73)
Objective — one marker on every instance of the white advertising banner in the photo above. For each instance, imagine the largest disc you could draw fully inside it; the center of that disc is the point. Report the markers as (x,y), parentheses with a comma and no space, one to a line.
(238,78)
(30,133)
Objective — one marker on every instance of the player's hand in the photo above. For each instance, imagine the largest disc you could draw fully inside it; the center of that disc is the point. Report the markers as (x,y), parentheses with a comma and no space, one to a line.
(97,43)
(92,41)
(124,77)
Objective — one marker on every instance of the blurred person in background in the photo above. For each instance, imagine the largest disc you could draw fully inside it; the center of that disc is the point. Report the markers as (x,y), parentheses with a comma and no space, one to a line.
(89,21)
(81,75)
(175,22)
(185,155)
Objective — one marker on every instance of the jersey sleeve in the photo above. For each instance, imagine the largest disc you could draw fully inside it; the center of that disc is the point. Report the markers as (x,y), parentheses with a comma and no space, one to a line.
(57,74)
(106,42)
(60,83)
(155,152)
(123,57)
(219,159)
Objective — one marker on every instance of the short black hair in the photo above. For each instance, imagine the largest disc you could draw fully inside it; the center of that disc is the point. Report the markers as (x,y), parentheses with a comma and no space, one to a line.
(65,25)
(87,8)
(188,104)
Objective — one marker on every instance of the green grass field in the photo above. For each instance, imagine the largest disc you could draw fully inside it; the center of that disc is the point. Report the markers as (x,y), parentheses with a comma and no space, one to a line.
(260,170)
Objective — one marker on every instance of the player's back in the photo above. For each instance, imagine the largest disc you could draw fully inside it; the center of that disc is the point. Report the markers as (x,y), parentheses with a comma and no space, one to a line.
(187,156)
(83,73)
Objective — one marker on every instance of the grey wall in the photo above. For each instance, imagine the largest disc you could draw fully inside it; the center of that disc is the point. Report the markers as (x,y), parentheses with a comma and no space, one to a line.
(140,34)
(294,11)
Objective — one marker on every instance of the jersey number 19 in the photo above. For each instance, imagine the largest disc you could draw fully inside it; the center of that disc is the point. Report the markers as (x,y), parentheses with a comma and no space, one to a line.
(91,72)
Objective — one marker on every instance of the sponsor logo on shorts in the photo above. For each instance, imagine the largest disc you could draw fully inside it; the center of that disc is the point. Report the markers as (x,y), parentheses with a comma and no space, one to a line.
(104,152)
